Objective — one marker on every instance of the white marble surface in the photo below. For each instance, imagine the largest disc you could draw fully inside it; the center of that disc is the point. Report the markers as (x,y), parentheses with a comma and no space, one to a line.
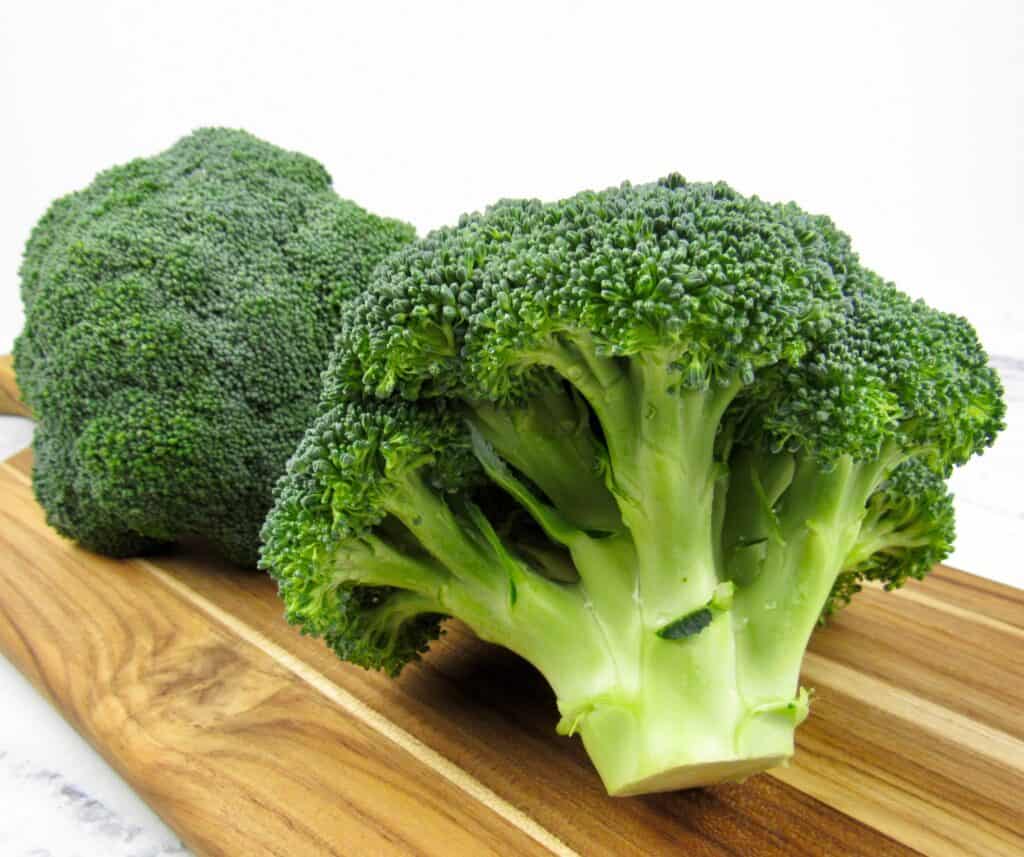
(60,799)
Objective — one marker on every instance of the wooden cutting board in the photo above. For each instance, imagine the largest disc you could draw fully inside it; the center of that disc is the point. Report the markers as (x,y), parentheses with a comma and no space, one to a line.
(249,739)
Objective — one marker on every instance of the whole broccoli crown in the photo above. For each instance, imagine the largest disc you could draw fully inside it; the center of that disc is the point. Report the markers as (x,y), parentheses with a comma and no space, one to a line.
(179,311)
(339,485)
(718,282)
(644,438)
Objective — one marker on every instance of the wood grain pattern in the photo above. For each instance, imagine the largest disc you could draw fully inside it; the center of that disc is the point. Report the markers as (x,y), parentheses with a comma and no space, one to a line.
(238,755)
(250,739)
(10,397)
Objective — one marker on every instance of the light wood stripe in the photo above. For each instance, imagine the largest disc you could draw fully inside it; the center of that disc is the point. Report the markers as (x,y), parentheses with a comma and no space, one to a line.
(925,600)
(917,820)
(10,396)
(23,478)
(361,711)
(924,714)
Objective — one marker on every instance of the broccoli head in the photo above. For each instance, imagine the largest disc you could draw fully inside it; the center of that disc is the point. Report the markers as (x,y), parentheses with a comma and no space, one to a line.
(646,438)
(179,311)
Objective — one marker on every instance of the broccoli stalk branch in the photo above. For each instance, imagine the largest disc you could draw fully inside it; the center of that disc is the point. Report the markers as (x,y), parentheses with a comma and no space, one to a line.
(808,532)
(482,580)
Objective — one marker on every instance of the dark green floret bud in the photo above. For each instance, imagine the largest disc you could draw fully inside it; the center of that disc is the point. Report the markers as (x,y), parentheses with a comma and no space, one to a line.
(179,312)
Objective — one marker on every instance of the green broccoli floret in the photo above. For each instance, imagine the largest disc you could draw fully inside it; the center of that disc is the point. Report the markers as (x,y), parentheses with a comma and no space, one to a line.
(179,311)
(696,421)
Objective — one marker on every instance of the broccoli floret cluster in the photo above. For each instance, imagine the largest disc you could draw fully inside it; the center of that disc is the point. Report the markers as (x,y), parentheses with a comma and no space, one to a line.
(179,312)
(646,438)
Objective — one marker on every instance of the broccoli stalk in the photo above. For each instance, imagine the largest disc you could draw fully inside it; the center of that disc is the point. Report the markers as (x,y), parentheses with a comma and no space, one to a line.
(785,581)
(644,438)
(702,678)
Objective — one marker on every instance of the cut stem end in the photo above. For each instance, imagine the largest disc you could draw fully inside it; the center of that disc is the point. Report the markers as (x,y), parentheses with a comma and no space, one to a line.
(696,776)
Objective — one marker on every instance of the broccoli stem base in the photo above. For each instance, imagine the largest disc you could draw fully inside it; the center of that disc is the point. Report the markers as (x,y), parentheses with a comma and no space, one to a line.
(649,745)
(650,749)
(675,716)
(689,775)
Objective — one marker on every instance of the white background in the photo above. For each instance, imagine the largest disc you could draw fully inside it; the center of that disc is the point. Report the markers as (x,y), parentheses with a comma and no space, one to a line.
(904,121)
